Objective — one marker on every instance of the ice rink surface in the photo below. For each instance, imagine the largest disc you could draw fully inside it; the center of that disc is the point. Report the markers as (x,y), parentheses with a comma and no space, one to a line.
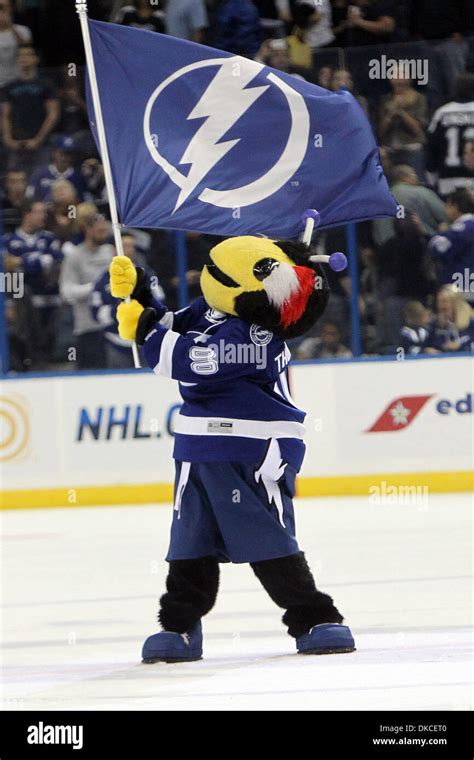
(80,589)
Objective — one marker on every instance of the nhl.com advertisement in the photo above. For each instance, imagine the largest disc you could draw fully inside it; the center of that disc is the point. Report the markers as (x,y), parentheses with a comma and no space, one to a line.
(412,419)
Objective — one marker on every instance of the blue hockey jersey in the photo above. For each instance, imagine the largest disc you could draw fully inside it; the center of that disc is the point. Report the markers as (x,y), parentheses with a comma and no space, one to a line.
(454,249)
(449,333)
(42,180)
(233,380)
(413,339)
(466,337)
(40,255)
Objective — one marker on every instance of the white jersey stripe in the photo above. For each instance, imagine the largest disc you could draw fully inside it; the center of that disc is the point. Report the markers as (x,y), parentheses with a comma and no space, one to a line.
(182,483)
(260,429)
(167,320)
(286,389)
(165,365)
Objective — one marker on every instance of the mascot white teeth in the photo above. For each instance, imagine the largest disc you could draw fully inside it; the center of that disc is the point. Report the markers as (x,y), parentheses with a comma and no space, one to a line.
(238,432)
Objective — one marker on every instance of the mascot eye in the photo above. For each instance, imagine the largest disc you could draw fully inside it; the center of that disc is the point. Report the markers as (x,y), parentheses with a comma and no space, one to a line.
(264,267)
(221,277)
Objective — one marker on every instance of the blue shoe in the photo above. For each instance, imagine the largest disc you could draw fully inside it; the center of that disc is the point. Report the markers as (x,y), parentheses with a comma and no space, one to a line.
(168,646)
(327,638)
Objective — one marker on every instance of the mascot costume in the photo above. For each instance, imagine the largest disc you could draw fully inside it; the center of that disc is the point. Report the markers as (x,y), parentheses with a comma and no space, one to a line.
(238,438)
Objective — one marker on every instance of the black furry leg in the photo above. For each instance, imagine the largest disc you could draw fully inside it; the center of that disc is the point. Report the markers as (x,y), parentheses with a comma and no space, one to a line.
(192,586)
(290,584)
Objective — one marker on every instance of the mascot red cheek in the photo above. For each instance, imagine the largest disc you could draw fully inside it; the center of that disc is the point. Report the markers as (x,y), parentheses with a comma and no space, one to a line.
(238,438)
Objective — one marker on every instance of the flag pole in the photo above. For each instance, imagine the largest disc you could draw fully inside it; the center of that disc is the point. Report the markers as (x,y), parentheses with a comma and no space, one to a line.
(81,8)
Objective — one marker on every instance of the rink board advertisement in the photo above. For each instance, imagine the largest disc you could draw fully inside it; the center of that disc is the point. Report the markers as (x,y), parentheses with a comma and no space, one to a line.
(108,438)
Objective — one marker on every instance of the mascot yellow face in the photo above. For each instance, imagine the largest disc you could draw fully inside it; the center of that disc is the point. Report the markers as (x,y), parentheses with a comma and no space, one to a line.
(270,283)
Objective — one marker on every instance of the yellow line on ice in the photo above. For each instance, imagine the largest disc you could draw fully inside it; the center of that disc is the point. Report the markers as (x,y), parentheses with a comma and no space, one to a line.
(342,485)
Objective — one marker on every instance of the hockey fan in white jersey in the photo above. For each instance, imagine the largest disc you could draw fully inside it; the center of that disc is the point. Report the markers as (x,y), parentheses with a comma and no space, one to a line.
(239,436)
(450,132)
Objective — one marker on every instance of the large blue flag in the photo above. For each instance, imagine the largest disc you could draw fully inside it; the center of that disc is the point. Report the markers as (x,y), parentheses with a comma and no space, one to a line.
(200,139)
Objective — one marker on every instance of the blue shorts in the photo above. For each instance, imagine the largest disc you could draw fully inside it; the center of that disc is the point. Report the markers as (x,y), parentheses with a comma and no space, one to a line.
(234,511)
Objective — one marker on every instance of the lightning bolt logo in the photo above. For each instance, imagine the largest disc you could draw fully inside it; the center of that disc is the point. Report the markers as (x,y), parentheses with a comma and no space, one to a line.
(270,472)
(205,151)
(221,105)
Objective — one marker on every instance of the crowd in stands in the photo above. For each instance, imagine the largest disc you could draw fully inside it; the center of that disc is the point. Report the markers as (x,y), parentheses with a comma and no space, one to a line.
(416,271)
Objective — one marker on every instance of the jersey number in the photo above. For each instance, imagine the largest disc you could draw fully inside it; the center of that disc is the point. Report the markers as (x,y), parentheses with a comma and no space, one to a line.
(453,136)
(203,360)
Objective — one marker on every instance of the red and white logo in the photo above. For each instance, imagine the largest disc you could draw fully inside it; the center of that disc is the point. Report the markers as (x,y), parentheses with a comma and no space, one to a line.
(399,414)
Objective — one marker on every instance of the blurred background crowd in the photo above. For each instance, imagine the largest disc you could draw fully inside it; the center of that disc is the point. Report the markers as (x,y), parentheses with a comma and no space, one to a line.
(415,273)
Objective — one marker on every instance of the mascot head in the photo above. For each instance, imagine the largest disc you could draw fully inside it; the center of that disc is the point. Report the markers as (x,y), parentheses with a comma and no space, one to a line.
(271,283)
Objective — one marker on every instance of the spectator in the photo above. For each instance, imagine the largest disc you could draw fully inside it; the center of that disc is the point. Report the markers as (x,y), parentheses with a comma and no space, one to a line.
(327,346)
(274,15)
(386,162)
(238,27)
(415,198)
(452,328)
(27,12)
(74,121)
(19,344)
(468,155)
(414,333)
(104,307)
(60,168)
(186,19)
(443,25)
(11,36)
(84,213)
(93,174)
(402,121)
(342,80)
(73,107)
(13,198)
(370,22)
(276,53)
(82,266)
(448,134)
(141,15)
(62,221)
(30,112)
(324,77)
(454,248)
(300,50)
(403,263)
(319,32)
(36,253)
(339,20)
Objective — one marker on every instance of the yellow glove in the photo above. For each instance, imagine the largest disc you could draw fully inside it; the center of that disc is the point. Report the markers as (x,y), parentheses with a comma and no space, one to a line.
(123,277)
(128,315)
